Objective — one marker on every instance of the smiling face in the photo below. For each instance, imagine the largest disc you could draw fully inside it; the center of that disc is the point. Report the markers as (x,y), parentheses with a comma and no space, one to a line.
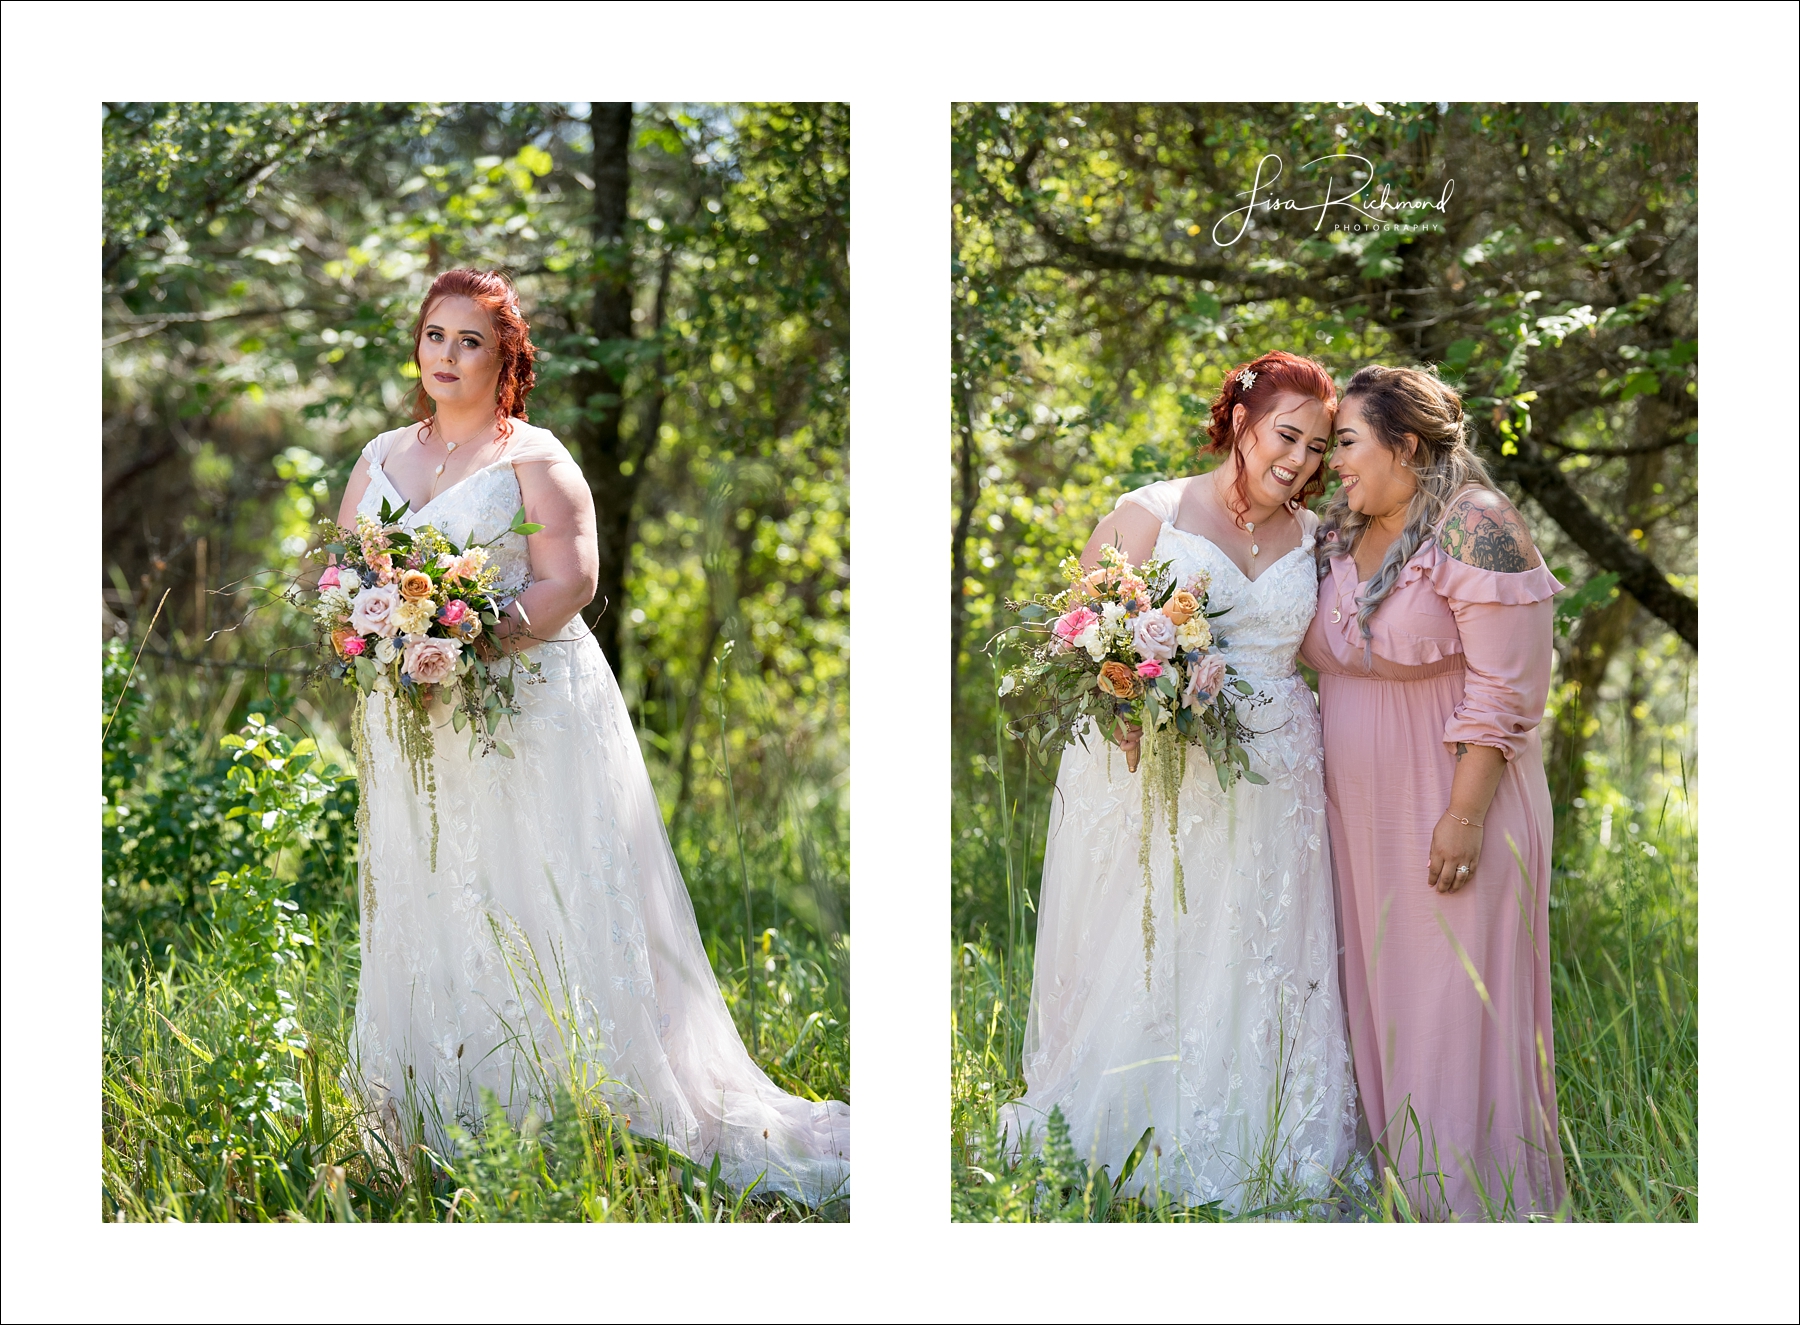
(459,355)
(1284,449)
(1376,481)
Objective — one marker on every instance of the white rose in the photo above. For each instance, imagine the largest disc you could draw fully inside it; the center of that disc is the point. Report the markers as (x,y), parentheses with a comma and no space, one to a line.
(385,652)
(372,613)
(347,580)
(1112,612)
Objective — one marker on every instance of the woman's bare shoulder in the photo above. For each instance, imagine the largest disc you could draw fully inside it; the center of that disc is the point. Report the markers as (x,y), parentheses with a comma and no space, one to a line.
(1483,529)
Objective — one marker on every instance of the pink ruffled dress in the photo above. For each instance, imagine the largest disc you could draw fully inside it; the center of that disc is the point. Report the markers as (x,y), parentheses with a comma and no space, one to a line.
(1447,997)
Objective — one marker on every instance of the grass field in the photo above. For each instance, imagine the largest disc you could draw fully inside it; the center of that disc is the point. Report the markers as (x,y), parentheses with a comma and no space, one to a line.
(229,980)
(1624,953)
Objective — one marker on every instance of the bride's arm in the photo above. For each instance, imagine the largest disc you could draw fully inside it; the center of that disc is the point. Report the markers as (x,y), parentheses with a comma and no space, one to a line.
(565,558)
(353,495)
(1131,527)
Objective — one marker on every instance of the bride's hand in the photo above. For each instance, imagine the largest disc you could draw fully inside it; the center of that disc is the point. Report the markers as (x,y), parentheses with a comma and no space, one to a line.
(1455,846)
(1130,737)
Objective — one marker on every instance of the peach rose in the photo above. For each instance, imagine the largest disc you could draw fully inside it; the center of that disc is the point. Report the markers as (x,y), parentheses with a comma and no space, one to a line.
(1181,606)
(430,661)
(1119,681)
(415,585)
(347,643)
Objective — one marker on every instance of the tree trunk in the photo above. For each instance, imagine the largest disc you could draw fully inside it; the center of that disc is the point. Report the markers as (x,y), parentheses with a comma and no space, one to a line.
(1597,638)
(612,474)
(967,493)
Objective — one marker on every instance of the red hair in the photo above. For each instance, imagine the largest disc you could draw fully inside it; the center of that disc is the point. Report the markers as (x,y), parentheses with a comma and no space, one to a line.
(1275,374)
(512,333)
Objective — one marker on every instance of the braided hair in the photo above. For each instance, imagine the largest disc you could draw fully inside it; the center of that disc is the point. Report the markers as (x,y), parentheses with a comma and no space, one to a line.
(1397,401)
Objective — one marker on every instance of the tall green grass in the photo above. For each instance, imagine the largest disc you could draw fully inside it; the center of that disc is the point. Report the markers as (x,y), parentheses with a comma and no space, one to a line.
(1623,987)
(228,1089)
(162,1158)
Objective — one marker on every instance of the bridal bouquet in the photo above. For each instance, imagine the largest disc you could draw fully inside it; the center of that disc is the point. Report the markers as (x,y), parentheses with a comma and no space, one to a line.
(1124,644)
(399,615)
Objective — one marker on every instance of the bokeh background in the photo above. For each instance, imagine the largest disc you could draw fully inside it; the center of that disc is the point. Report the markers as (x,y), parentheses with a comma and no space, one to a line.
(1094,315)
(685,272)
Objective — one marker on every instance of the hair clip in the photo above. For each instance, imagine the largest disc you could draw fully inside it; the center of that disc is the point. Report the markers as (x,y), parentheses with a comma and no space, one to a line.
(1246,378)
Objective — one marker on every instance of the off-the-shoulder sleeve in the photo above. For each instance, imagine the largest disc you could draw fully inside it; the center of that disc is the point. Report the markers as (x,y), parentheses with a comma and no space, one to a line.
(1160,499)
(529,445)
(1505,621)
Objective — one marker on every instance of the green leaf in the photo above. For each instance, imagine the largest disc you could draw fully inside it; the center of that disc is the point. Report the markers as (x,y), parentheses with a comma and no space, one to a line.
(501,747)
(459,719)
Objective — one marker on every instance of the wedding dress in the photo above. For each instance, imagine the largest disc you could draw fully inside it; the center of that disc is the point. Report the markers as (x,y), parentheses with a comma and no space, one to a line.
(1232,1050)
(555,935)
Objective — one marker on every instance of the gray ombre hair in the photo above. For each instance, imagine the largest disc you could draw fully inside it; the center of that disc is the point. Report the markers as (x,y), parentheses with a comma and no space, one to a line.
(1397,401)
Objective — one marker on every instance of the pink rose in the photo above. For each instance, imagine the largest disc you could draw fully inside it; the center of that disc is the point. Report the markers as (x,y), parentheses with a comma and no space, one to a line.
(453,612)
(1150,670)
(1204,681)
(353,646)
(1072,623)
(372,611)
(1153,636)
(429,661)
(329,579)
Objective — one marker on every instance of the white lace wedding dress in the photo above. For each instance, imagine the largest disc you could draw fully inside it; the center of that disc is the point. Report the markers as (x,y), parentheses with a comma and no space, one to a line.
(555,935)
(1235,1055)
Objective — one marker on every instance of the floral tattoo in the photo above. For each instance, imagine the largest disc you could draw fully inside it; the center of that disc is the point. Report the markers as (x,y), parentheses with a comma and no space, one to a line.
(1488,536)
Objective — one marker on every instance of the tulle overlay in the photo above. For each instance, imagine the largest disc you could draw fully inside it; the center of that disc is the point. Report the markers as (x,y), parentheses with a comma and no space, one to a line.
(1234,1050)
(555,936)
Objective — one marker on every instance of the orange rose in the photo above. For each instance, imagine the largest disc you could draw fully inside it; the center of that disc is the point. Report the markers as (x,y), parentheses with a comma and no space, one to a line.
(1119,681)
(415,585)
(1181,606)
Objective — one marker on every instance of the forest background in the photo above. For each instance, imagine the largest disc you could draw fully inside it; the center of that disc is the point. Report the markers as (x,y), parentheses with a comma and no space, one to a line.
(685,271)
(1108,270)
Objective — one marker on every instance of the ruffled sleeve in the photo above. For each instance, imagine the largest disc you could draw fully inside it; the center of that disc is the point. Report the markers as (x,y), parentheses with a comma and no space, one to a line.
(1160,499)
(1504,619)
(529,445)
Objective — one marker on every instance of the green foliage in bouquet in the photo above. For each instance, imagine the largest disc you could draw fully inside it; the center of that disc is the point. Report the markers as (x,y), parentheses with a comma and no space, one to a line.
(437,599)
(1123,645)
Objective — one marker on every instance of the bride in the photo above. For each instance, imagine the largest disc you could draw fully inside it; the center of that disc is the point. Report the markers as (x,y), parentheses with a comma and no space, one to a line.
(554,940)
(1229,1060)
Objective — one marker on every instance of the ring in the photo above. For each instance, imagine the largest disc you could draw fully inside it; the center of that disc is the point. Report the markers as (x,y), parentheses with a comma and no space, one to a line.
(1462,869)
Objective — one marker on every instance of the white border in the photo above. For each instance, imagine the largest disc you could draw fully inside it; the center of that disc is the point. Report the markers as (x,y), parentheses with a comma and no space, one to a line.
(900,67)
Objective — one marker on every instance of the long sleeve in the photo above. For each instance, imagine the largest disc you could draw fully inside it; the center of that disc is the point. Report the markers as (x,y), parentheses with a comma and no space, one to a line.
(1505,623)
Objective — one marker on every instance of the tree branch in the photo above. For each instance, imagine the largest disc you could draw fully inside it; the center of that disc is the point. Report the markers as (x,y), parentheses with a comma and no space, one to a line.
(1541,477)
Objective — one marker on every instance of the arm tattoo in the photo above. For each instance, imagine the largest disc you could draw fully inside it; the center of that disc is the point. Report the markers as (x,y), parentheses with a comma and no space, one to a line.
(1489,538)
(1462,748)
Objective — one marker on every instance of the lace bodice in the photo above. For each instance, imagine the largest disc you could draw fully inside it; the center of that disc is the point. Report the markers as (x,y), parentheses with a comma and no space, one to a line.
(1260,634)
(477,509)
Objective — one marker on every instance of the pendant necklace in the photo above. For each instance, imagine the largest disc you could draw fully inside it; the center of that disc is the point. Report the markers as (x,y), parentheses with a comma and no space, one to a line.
(449,450)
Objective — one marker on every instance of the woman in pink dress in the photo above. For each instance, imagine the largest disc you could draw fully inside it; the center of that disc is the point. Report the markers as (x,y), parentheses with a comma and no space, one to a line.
(1433,646)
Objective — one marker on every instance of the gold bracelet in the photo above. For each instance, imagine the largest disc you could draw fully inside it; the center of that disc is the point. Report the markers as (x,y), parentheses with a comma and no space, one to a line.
(1466,823)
